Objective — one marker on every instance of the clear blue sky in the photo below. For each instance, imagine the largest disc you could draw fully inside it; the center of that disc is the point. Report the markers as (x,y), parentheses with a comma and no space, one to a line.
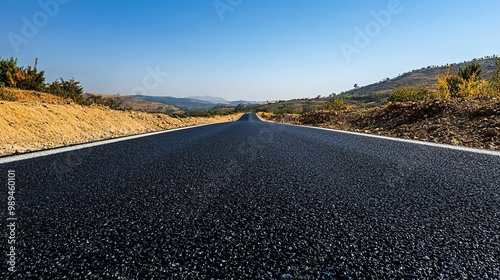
(243,49)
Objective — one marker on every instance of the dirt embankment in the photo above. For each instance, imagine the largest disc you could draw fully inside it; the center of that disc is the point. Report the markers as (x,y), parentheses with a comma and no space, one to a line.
(472,122)
(37,121)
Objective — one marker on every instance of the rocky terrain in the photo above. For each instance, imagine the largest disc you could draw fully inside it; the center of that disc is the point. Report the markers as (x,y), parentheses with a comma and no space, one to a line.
(36,121)
(473,122)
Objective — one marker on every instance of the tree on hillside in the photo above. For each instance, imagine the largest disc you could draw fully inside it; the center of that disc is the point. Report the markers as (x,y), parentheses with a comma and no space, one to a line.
(471,72)
(356,86)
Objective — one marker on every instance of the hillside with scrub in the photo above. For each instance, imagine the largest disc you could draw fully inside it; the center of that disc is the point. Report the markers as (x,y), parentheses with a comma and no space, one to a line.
(461,107)
(35,115)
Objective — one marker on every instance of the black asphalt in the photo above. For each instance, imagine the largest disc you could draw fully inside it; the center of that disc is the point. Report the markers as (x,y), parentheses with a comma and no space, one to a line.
(256,200)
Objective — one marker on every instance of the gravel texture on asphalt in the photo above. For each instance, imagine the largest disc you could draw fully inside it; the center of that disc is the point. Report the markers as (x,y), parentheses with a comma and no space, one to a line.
(256,200)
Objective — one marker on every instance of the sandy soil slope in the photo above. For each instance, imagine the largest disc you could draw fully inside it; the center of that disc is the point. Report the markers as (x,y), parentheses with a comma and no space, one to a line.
(36,121)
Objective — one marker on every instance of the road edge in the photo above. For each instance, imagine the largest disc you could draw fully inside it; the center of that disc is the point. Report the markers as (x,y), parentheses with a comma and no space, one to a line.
(432,144)
(58,150)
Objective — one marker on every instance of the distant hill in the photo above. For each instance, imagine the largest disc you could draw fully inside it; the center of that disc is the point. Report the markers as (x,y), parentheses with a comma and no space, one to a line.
(294,106)
(129,102)
(211,99)
(426,76)
(244,102)
(193,103)
(373,94)
(187,104)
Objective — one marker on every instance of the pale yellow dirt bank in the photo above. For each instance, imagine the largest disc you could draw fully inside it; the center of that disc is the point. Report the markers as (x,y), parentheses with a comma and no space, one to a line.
(37,121)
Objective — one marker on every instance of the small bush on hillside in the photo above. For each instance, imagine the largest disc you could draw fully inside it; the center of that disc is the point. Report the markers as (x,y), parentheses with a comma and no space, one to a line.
(29,78)
(286,111)
(7,66)
(12,75)
(307,109)
(465,83)
(67,89)
(7,95)
(410,93)
(114,102)
(336,104)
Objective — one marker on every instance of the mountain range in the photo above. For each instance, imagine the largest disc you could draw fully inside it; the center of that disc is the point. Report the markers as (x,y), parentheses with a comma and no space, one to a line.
(194,102)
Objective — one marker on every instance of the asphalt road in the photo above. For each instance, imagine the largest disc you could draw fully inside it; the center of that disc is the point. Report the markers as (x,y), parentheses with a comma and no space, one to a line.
(250,199)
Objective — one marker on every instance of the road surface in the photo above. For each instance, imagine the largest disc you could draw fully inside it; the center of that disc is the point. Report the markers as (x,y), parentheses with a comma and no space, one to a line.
(251,199)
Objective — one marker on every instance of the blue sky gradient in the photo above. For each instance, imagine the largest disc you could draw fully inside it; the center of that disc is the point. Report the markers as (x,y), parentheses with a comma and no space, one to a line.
(254,50)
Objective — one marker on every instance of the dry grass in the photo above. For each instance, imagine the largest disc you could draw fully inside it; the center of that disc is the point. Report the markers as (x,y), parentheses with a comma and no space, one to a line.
(24,96)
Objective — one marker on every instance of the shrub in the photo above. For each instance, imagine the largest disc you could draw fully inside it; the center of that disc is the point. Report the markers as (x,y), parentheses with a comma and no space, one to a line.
(336,104)
(7,66)
(471,87)
(307,109)
(6,94)
(410,93)
(114,102)
(446,84)
(466,82)
(29,78)
(472,72)
(67,89)
(286,110)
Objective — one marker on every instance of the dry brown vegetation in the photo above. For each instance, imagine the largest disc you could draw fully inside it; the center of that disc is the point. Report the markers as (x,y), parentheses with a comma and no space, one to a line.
(462,108)
(472,122)
(36,121)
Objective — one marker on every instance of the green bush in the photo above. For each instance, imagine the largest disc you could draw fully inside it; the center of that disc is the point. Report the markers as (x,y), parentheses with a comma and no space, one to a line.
(286,110)
(7,95)
(12,75)
(114,102)
(67,89)
(7,66)
(471,72)
(29,78)
(336,104)
(410,93)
